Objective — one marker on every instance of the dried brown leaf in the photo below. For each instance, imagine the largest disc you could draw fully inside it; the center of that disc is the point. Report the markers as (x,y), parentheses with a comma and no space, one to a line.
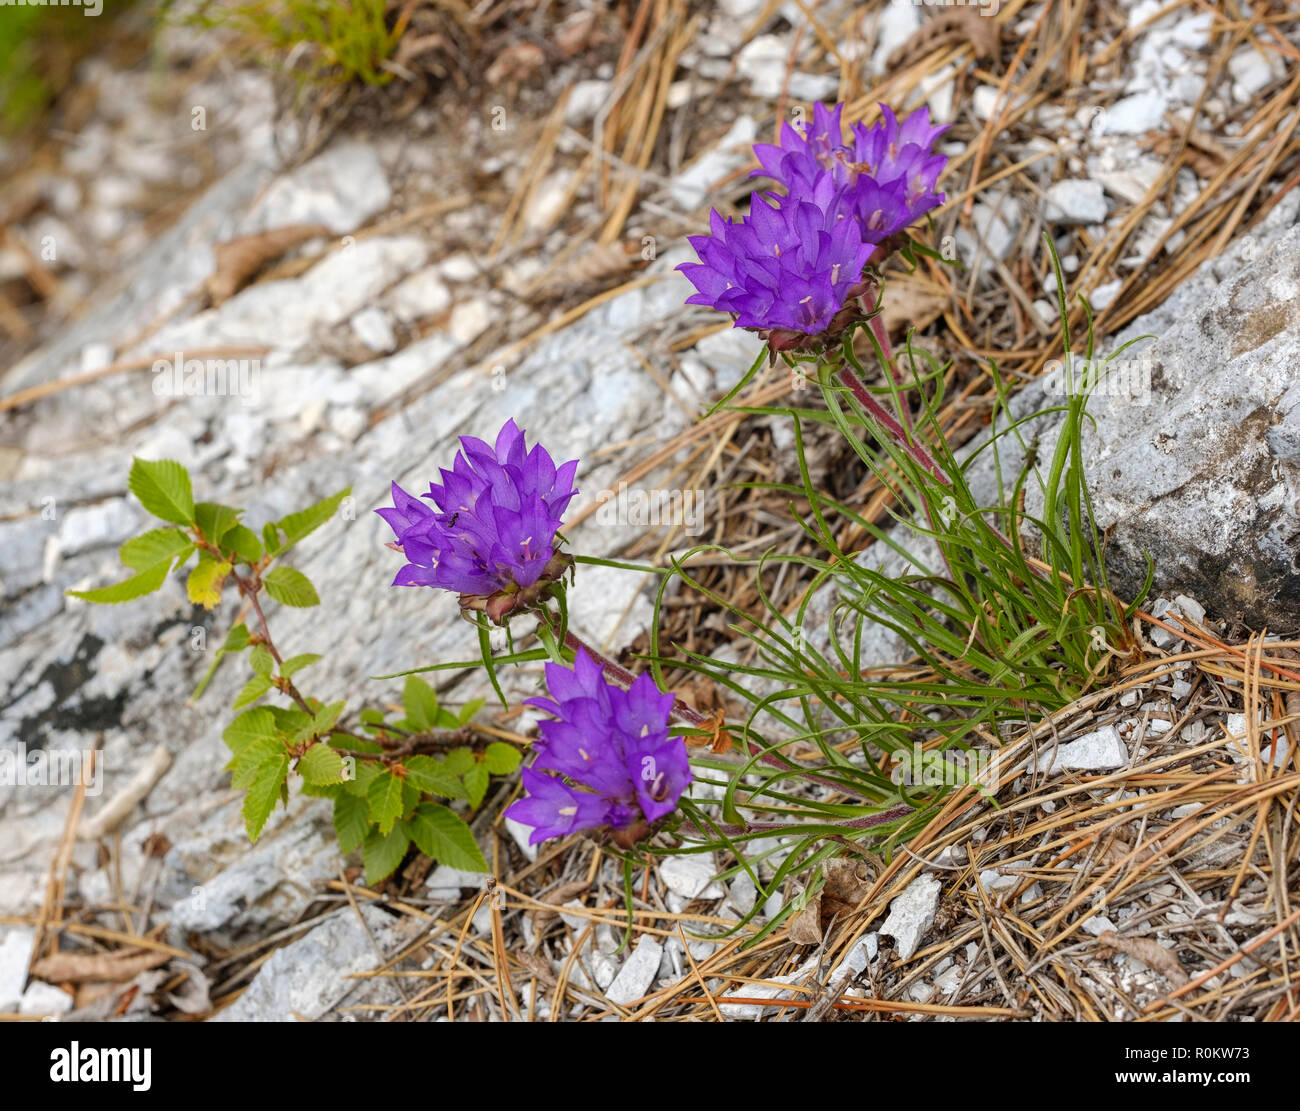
(59,968)
(1150,952)
(909,303)
(239,259)
(806,926)
(574,33)
(558,897)
(516,63)
(848,879)
(156,846)
(949,28)
(537,966)
(595,264)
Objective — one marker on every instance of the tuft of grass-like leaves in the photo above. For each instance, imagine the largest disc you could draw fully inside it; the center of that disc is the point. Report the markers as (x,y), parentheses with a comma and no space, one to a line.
(1000,637)
(326,41)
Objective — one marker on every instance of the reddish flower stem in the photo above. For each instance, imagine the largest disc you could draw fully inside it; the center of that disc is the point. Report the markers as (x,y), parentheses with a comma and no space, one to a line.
(889,424)
(903,437)
(882,337)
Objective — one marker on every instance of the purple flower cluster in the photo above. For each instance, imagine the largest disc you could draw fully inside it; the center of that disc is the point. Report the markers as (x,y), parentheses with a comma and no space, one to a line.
(493,529)
(884,177)
(787,265)
(612,743)
(795,260)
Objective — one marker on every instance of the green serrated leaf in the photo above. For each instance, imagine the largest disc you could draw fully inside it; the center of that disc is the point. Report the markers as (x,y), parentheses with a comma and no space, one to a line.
(459,761)
(321,764)
(351,821)
(160,545)
(468,711)
(432,777)
(322,790)
(356,744)
(440,834)
(252,725)
(146,582)
(476,783)
(245,763)
(383,852)
(297,525)
(420,702)
(289,719)
(263,794)
(322,721)
(384,797)
(410,799)
(290,587)
(163,488)
(242,543)
(261,660)
(500,758)
(295,664)
(237,639)
(215,520)
(271,538)
(204,584)
(257,686)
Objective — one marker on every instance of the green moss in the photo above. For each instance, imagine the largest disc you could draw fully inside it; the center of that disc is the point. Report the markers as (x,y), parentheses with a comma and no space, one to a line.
(37,46)
(346,40)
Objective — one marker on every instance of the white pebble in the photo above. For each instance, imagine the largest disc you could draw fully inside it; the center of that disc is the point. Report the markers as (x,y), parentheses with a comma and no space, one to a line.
(1102,750)
(636,976)
(911,914)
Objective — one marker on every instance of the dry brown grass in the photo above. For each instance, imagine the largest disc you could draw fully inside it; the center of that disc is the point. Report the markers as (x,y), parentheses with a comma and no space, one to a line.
(1192,850)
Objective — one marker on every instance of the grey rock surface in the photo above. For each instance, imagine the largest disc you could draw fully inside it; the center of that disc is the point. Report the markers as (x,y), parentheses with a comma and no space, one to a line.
(15,954)
(341,188)
(691,877)
(1193,456)
(306,979)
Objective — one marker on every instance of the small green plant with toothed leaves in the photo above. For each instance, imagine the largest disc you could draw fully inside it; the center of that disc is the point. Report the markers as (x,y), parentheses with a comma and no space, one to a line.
(396,778)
